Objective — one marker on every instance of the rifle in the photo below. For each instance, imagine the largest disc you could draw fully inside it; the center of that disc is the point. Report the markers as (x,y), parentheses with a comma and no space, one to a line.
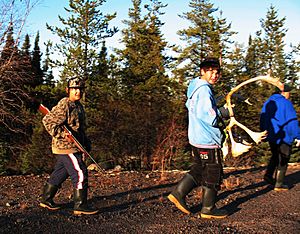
(44,110)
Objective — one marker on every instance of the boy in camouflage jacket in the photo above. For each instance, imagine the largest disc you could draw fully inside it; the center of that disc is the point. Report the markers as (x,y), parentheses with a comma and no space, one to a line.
(68,112)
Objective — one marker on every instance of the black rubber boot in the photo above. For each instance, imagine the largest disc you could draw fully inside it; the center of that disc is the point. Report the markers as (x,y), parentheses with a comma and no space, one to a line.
(178,195)
(49,192)
(268,177)
(280,175)
(80,203)
(209,210)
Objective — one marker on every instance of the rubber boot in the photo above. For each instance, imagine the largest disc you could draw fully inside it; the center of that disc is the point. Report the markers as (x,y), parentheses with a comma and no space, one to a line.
(80,203)
(280,175)
(209,210)
(49,192)
(268,177)
(178,195)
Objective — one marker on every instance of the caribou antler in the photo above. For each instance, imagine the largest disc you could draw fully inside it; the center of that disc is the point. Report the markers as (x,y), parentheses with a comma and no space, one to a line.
(240,148)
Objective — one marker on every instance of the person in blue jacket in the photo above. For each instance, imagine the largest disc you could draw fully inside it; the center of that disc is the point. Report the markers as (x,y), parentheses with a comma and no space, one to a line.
(205,134)
(278,117)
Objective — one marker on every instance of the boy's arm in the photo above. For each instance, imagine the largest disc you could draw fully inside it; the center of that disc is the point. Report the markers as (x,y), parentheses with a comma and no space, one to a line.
(55,119)
(205,110)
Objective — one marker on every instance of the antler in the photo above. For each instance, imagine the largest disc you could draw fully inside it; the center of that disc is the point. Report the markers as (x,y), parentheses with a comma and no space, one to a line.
(240,148)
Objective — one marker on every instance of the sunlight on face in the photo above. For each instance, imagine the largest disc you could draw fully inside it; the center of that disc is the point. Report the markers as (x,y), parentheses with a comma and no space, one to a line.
(211,75)
(75,94)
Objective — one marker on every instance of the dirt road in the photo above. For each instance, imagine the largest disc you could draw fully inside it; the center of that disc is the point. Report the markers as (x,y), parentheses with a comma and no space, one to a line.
(135,202)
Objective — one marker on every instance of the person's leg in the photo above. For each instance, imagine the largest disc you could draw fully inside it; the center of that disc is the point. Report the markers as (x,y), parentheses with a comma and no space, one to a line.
(186,185)
(46,201)
(271,167)
(209,209)
(60,173)
(212,179)
(57,177)
(284,157)
(79,176)
(178,195)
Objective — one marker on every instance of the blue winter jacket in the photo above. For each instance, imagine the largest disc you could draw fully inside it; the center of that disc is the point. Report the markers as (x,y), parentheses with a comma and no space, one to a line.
(203,130)
(279,118)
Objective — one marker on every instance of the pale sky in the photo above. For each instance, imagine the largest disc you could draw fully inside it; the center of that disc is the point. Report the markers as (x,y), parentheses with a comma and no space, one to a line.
(244,17)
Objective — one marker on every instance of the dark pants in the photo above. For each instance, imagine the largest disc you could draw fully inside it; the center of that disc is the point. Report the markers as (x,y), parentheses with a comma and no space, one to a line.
(207,168)
(70,165)
(280,157)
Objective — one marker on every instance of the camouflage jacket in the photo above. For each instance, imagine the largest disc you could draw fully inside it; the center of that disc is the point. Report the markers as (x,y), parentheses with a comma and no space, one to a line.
(72,115)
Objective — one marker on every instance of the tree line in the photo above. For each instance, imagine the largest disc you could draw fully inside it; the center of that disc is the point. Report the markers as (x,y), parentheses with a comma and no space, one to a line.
(135,96)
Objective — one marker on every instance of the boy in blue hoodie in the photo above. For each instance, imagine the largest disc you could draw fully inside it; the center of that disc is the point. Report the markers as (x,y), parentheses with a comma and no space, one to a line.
(279,118)
(205,137)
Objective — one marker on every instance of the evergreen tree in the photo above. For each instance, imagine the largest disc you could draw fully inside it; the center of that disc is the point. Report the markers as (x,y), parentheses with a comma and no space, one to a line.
(293,66)
(273,56)
(143,56)
(265,54)
(132,55)
(9,48)
(48,74)
(221,41)
(15,80)
(36,62)
(25,61)
(24,55)
(25,50)
(235,68)
(146,89)
(196,36)
(207,36)
(253,63)
(83,30)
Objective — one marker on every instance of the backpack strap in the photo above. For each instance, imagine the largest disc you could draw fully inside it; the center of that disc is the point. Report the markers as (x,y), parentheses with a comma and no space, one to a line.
(197,90)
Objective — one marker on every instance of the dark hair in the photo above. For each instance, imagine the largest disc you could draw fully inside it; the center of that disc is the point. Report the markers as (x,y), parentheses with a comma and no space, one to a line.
(286,88)
(210,62)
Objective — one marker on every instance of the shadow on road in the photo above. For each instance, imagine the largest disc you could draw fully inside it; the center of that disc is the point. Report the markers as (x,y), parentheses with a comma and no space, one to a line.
(124,200)
(291,179)
(134,197)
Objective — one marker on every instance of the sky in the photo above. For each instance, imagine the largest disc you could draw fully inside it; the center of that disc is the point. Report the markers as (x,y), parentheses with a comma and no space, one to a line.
(244,17)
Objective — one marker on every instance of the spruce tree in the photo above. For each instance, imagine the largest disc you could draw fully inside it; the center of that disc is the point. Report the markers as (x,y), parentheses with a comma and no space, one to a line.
(273,43)
(25,50)
(146,89)
(253,62)
(82,32)
(9,48)
(47,71)
(24,55)
(293,66)
(206,36)
(36,62)
(235,67)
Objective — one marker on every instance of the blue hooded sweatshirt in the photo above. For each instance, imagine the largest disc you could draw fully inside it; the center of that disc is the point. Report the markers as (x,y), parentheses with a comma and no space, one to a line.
(279,118)
(203,130)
